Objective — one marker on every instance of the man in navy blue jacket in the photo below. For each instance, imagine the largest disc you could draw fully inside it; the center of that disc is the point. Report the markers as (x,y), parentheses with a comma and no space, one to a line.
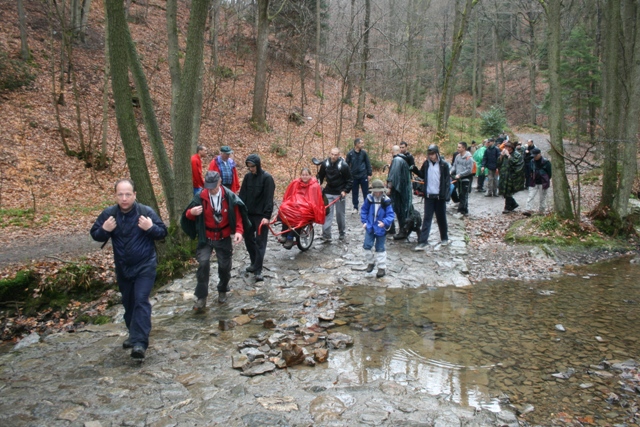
(132,228)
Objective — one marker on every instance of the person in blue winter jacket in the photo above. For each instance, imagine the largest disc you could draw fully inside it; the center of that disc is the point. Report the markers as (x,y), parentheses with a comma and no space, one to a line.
(376,216)
(132,228)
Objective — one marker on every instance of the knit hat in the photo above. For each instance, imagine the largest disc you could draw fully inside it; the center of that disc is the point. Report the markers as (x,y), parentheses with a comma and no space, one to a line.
(535,151)
(377,185)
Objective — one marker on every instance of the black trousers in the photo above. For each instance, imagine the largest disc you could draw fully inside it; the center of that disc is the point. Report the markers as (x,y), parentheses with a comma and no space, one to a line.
(256,243)
(463,186)
(224,252)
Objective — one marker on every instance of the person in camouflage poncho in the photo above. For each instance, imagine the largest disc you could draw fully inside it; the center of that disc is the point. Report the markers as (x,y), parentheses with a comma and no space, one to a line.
(511,166)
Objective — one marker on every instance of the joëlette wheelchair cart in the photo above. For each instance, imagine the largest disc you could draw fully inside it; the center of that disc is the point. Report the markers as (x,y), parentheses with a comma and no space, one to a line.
(302,231)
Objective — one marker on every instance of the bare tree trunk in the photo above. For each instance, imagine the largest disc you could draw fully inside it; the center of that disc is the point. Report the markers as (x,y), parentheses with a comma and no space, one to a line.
(562,201)
(611,73)
(259,113)
(22,23)
(474,73)
(214,23)
(125,116)
(86,8)
(353,46)
(317,64)
(174,60)
(193,64)
(630,148)
(102,161)
(153,129)
(446,98)
(363,70)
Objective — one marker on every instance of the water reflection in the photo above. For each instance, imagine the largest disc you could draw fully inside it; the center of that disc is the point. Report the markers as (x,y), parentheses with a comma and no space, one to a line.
(476,344)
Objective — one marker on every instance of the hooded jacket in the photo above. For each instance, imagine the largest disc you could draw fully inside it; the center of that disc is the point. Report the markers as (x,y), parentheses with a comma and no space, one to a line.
(369,216)
(257,190)
(490,159)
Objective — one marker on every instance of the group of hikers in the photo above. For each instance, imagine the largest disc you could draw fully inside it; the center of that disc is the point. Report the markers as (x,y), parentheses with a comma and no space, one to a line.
(224,212)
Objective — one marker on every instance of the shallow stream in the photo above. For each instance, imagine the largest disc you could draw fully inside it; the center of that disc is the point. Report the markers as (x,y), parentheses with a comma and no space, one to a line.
(504,341)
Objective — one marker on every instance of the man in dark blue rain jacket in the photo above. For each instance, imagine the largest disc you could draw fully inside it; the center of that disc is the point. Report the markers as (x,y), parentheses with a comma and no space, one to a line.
(132,228)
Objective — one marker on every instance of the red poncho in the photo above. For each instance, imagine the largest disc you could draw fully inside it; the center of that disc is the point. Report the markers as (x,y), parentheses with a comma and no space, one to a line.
(302,204)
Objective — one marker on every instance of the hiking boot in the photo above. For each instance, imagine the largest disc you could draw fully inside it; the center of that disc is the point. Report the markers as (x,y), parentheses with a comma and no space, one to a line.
(421,247)
(325,239)
(282,239)
(250,269)
(288,244)
(506,211)
(370,268)
(137,352)
(526,213)
(488,195)
(400,236)
(258,278)
(222,297)
(200,304)
(444,243)
(127,343)
(381,272)
(342,236)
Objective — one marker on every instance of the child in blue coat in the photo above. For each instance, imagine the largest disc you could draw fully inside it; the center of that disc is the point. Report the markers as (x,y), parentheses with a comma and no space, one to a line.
(376,216)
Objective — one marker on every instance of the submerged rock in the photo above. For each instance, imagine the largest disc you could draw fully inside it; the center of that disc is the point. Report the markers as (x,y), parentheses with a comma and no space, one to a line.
(339,340)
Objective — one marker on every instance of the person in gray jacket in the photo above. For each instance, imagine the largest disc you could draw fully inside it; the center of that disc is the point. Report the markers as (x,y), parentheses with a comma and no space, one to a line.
(462,173)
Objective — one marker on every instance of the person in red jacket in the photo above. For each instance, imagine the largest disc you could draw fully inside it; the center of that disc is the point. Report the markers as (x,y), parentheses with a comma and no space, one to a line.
(218,216)
(196,169)
(226,167)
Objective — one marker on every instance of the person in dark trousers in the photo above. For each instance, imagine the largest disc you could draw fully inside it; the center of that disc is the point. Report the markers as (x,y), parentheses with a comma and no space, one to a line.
(132,228)
(511,165)
(538,181)
(462,172)
(360,166)
(437,183)
(490,163)
(528,156)
(197,177)
(408,157)
(257,192)
(217,217)
(339,182)
(400,191)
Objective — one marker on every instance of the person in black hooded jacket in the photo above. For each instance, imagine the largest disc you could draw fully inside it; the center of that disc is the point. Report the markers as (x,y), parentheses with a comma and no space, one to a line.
(257,192)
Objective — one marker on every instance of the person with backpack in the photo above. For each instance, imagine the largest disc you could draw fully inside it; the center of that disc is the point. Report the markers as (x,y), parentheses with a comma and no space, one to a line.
(339,183)
(462,173)
(538,181)
(490,164)
(376,216)
(133,228)
(477,157)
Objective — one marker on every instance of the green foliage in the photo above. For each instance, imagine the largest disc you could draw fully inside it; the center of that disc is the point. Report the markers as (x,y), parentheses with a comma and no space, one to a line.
(75,277)
(94,320)
(278,149)
(319,94)
(174,256)
(493,121)
(14,73)
(223,72)
(16,217)
(553,230)
(16,289)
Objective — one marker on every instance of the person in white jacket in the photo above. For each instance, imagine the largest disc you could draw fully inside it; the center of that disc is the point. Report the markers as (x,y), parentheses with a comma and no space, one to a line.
(462,174)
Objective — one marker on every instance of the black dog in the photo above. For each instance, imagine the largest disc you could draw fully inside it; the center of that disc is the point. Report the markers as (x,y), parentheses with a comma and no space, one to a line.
(412,223)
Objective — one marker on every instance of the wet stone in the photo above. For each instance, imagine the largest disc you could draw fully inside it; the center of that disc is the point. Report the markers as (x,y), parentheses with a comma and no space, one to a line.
(339,340)
(257,368)
(226,324)
(326,408)
(239,360)
(269,324)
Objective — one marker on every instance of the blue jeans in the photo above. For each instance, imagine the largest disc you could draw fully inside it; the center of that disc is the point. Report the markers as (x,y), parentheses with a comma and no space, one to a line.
(359,183)
(137,308)
(439,207)
(370,239)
